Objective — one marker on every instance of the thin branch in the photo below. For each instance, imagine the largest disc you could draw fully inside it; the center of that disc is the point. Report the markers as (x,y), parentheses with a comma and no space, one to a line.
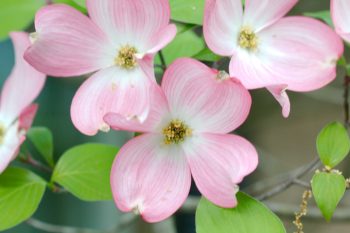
(289,181)
(125,222)
(301,183)
(28,159)
(162,60)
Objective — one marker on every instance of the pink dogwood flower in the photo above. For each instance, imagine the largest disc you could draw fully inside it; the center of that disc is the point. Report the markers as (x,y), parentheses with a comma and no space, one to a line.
(16,109)
(268,50)
(118,41)
(341,18)
(186,133)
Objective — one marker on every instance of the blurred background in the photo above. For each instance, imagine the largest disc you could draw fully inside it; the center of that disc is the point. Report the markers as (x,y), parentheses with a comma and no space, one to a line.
(283,144)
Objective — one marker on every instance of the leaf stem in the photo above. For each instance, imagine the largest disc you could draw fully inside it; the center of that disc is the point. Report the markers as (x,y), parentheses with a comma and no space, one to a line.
(28,159)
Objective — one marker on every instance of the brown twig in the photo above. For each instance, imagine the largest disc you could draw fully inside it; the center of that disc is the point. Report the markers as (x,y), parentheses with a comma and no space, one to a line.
(28,159)
(282,186)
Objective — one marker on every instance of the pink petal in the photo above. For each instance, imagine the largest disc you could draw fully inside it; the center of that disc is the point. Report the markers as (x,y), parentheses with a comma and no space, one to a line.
(222,22)
(126,92)
(260,14)
(207,103)
(162,38)
(280,94)
(218,163)
(10,146)
(23,85)
(341,18)
(157,115)
(297,51)
(130,21)
(150,179)
(27,117)
(68,43)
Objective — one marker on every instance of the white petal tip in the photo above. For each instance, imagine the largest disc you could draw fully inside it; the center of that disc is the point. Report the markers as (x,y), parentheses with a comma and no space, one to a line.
(33,37)
(105,128)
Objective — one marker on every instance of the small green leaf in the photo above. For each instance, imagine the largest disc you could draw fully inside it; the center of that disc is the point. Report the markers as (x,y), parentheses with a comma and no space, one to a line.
(328,189)
(333,144)
(80,3)
(250,216)
(80,7)
(185,44)
(187,11)
(20,194)
(42,139)
(322,15)
(16,15)
(207,55)
(84,171)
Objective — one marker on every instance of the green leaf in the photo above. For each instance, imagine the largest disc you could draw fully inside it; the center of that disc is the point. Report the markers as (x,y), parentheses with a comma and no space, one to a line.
(17,15)
(20,194)
(80,7)
(322,15)
(187,11)
(185,44)
(328,189)
(84,171)
(80,3)
(42,139)
(333,144)
(207,55)
(250,216)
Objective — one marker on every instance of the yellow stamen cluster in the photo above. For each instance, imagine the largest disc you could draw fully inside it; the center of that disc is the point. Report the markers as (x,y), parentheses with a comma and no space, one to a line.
(176,132)
(126,57)
(247,39)
(2,134)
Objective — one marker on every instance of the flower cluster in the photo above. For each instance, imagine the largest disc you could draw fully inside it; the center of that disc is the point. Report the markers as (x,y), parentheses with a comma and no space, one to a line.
(186,121)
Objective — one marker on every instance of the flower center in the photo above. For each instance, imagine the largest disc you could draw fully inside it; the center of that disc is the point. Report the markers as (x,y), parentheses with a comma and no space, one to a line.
(247,39)
(2,134)
(176,132)
(126,57)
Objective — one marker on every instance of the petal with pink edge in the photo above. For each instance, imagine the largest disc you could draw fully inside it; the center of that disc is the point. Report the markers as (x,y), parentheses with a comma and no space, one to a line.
(222,22)
(218,163)
(10,145)
(67,43)
(126,92)
(150,178)
(341,18)
(23,85)
(204,102)
(27,117)
(162,38)
(279,92)
(260,14)
(157,117)
(130,22)
(297,51)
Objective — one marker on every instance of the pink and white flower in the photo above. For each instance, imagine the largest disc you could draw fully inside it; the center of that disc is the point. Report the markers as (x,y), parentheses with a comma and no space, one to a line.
(341,18)
(269,50)
(118,41)
(186,133)
(16,109)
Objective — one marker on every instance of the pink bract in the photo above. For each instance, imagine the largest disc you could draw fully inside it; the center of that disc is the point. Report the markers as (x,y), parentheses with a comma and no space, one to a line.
(269,50)
(118,42)
(16,109)
(341,18)
(152,173)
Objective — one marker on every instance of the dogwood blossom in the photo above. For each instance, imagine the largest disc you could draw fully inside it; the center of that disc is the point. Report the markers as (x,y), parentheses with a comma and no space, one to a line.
(118,41)
(16,109)
(268,50)
(186,133)
(340,15)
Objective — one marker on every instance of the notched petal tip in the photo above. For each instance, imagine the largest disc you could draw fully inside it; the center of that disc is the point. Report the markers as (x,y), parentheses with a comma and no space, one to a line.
(105,127)
(279,92)
(33,37)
